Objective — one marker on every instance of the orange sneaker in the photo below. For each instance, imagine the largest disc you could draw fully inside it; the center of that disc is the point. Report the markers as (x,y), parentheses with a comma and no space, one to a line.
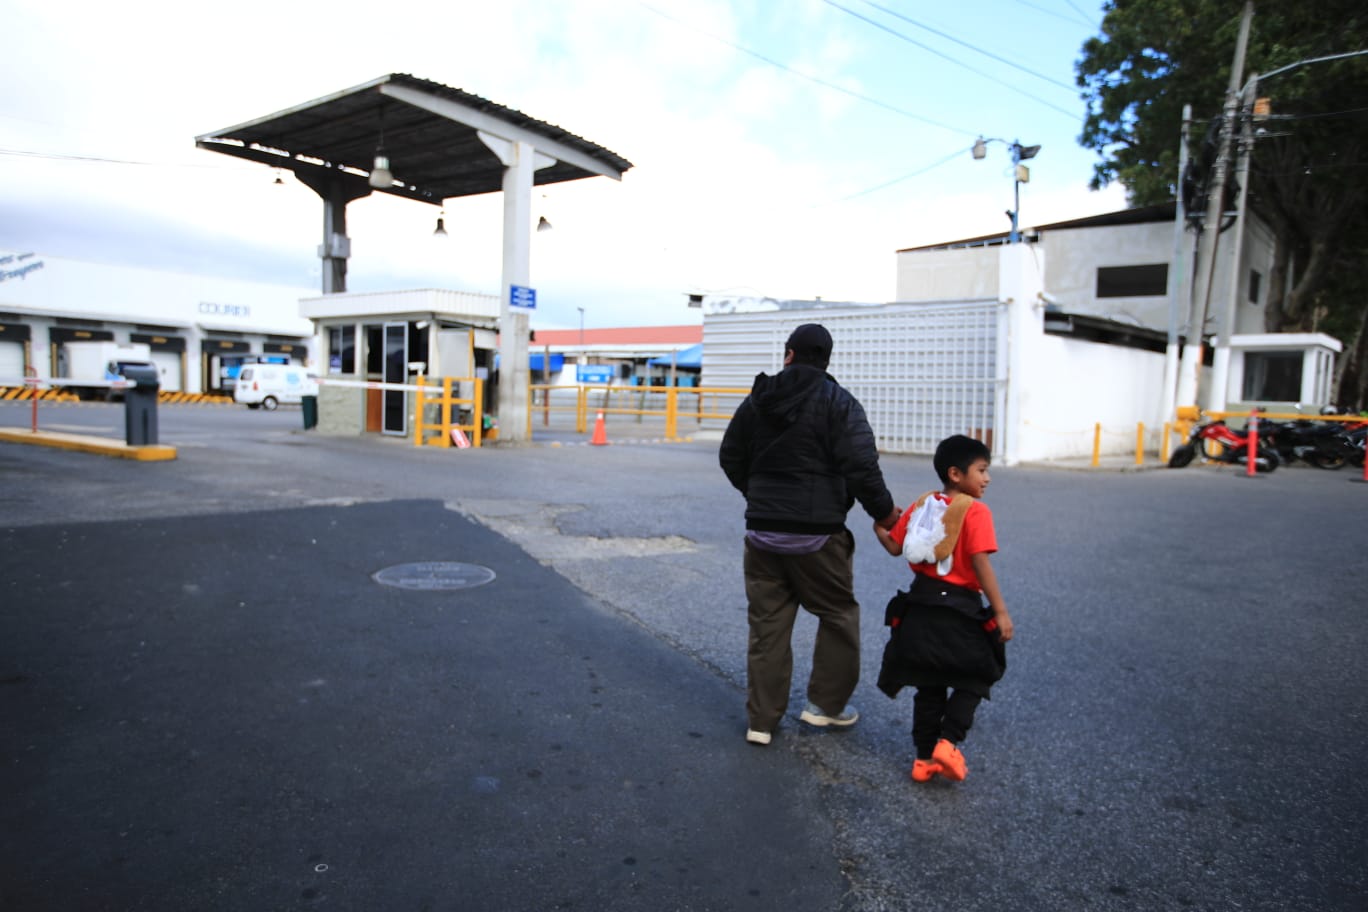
(951,761)
(923,770)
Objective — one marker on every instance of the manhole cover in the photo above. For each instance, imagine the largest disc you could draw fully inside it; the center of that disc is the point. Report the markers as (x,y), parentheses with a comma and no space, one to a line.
(434,575)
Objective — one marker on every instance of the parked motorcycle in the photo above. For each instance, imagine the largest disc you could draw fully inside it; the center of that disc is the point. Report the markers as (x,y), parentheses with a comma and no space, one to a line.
(1323,444)
(1216,442)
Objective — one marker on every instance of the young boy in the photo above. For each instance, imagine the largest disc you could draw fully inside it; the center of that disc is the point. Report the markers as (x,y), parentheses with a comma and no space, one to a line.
(944,642)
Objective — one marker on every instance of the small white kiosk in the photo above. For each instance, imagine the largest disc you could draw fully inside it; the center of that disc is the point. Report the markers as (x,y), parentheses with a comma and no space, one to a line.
(1281,372)
(394,338)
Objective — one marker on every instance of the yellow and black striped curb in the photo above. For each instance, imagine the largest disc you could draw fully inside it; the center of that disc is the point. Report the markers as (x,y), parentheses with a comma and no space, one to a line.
(167,398)
(47,395)
(18,393)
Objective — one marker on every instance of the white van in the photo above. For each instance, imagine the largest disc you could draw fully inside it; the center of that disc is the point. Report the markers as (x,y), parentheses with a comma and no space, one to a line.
(268,385)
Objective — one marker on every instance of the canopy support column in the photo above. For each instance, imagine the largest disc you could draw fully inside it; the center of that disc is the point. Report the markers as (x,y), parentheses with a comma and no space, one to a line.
(520,161)
(336,191)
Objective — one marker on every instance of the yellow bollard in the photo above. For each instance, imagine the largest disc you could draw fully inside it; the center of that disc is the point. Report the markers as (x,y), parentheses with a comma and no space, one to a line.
(1164,443)
(1097,445)
(1140,443)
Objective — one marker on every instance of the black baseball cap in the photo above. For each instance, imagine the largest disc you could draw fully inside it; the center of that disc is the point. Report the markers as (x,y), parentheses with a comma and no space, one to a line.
(810,344)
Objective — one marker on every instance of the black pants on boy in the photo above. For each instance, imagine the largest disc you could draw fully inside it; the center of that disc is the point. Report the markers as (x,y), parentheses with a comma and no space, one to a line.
(938,712)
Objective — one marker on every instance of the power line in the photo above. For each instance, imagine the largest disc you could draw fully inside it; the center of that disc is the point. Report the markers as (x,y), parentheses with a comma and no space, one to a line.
(1081,15)
(1073,115)
(1058,15)
(821,82)
(897,15)
(920,171)
(57,156)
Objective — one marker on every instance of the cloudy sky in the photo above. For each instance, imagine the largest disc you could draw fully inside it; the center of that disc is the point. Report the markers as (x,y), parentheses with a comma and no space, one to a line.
(780,147)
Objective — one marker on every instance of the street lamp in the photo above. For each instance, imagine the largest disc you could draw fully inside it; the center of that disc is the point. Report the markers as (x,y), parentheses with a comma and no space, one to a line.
(1020,174)
(581,310)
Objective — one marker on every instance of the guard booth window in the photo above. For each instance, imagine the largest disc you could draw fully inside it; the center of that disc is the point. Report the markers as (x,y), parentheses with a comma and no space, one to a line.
(342,350)
(1272,376)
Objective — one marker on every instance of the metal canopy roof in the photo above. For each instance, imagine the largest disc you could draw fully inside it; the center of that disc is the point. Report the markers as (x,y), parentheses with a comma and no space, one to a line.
(430,134)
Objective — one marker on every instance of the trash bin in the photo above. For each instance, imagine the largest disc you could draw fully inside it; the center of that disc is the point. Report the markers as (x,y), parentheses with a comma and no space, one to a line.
(140,405)
(309,404)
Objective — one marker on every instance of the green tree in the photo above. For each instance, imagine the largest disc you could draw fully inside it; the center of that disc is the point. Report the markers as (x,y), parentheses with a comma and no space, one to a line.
(1306,177)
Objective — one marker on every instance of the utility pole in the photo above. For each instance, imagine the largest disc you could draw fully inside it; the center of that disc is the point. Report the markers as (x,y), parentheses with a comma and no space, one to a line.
(1178,286)
(1191,366)
(1220,364)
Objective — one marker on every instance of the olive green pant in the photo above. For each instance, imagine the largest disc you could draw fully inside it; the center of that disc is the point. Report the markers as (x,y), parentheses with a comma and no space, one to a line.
(823,583)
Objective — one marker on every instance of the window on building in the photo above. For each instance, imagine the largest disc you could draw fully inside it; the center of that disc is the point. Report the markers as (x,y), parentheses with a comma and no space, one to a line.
(1272,376)
(1255,283)
(1132,281)
(342,350)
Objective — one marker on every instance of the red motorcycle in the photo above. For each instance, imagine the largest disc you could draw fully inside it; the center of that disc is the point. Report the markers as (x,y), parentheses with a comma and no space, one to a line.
(1215,442)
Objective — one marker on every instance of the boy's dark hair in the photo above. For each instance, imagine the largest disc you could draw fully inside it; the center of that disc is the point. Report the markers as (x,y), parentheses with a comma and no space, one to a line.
(958,452)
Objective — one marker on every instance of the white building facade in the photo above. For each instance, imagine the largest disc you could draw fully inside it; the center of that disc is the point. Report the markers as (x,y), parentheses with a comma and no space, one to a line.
(199,329)
(1134,270)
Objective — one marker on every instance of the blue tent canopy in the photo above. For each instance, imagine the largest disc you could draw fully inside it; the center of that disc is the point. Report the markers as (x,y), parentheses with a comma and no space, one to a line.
(535,360)
(690,358)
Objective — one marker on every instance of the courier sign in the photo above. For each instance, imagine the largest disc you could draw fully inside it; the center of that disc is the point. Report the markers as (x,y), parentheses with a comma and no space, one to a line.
(224,310)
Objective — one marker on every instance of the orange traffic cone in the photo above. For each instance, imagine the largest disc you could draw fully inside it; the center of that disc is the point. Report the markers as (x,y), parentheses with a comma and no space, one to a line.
(600,437)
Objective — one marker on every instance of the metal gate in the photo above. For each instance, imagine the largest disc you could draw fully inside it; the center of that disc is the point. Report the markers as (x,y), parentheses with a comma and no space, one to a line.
(922,371)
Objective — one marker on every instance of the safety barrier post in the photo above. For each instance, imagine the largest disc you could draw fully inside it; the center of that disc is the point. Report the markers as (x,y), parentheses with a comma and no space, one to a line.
(1097,445)
(446,412)
(1251,442)
(419,406)
(1164,442)
(31,378)
(671,413)
(1140,443)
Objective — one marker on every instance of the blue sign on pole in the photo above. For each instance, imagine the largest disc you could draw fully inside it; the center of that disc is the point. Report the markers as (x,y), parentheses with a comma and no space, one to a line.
(594,373)
(522,296)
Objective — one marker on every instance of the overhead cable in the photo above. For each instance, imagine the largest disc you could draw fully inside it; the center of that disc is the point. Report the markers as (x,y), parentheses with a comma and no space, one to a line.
(1071,89)
(936,164)
(1074,115)
(821,82)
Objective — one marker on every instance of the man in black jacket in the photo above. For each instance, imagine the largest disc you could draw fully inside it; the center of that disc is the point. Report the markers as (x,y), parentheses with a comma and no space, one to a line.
(801,451)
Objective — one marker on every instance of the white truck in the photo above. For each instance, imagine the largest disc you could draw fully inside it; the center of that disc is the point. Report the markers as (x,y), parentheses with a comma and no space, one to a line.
(93,369)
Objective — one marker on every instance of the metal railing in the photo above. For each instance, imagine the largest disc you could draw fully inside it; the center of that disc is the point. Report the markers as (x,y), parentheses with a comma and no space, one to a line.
(670,405)
(448,433)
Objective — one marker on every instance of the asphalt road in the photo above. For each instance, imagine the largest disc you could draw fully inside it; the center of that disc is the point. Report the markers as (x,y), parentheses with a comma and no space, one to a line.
(209,703)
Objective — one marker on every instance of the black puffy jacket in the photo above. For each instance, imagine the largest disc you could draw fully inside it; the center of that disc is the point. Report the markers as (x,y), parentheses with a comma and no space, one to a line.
(801,450)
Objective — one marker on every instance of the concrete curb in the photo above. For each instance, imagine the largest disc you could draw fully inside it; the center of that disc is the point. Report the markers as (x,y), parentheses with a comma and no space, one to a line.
(102,446)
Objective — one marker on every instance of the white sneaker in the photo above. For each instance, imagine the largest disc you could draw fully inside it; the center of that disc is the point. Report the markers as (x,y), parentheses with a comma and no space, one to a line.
(813,715)
(757,737)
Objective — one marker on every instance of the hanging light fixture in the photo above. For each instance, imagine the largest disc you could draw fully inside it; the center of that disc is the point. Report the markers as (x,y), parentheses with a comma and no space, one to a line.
(278,180)
(381,178)
(543,224)
(440,230)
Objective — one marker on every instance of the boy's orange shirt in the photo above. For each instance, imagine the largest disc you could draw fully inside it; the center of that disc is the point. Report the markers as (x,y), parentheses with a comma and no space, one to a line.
(976,536)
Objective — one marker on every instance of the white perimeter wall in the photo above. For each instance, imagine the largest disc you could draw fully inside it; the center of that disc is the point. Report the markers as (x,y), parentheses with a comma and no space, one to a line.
(1071,385)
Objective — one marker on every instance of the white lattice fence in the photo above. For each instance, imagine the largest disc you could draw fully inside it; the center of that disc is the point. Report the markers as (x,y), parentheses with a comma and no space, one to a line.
(922,371)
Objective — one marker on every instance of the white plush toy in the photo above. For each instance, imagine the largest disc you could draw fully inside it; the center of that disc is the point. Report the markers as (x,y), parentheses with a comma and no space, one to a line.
(928,540)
